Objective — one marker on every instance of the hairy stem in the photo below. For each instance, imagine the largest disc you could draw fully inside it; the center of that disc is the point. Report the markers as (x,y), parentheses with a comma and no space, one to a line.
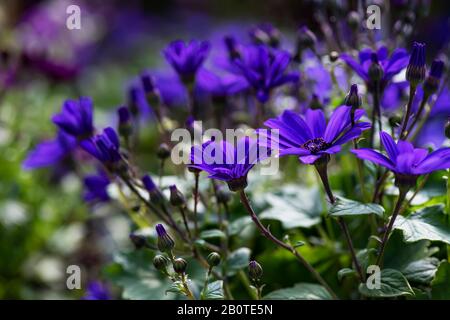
(266,233)
(412,92)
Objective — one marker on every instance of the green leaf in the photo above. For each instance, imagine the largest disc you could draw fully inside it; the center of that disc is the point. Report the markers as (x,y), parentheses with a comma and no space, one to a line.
(213,233)
(440,287)
(421,271)
(346,207)
(176,287)
(429,223)
(345,272)
(292,210)
(238,225)
(366,256)
(392,284)
(300,291)
(214,291)
(238,259)
(133,272)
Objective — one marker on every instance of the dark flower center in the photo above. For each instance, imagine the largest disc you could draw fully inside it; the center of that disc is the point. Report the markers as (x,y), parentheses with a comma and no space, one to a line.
(315,145)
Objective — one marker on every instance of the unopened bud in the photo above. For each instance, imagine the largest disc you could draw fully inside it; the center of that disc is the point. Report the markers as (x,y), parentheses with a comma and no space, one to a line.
(213,259)
(179,265)
(124,126)
(176,197)
(255,270)
(165,242)
(376,72)
(160,262)
(334,55)
(153,191)
(163,151)
(354,20)
(139,241)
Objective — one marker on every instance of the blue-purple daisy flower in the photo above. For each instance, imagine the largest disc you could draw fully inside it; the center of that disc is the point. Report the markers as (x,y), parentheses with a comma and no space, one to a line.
(404,159)
(310,137)
(222,161)
(265,70)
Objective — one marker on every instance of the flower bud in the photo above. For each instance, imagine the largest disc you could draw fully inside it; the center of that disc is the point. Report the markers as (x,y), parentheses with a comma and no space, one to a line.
(165,242)
(354,20)
(376,71)
(133,100)
(213,259)
(431,84)
(334,55)
(255,270)
(415,72)
(153,191)
(176,197)
(179,265)
(447,128)
(124,126)
(160,262)
(163,151)
(232,47)
(353,99)
(138,240)
(306,38)
(150,90)
(395,121)
(315,103)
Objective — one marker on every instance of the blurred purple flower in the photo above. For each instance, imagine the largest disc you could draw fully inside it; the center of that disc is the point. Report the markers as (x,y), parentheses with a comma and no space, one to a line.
(220,85)
(104,147)
(391,65)
(265,70)
(186,58)
(97,291)
(95,187)
(76,118)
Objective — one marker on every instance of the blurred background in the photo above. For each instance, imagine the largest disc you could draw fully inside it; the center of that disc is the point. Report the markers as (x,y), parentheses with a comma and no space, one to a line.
(44,224)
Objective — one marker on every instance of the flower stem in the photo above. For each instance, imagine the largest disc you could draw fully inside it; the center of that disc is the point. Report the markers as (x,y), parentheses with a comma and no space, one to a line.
(385,239)
(266,233)
(376,112)
(412,92)
(196,174)
(418,114)
(322,170)
(186,226)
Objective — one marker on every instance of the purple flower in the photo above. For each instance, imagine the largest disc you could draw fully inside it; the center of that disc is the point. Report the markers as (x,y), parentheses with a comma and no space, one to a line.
(97,291)
(405,160)
(391,65)
(95,187)
(265,70)
(222,161)
(49,153)
(104,147)
(186,58)
(310,137)
(76,118)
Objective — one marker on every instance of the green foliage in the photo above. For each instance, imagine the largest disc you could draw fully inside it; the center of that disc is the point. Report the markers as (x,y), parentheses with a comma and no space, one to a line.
(300,291)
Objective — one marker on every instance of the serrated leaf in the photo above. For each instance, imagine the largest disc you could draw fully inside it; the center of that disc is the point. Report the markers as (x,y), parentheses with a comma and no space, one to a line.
(176,287)
(344,273)
(301,291)
(429,223)
(213,233)
(440,286)
(237,260)
(291,210)
(214,291)
(421,271)
(346,207)
(392,284)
